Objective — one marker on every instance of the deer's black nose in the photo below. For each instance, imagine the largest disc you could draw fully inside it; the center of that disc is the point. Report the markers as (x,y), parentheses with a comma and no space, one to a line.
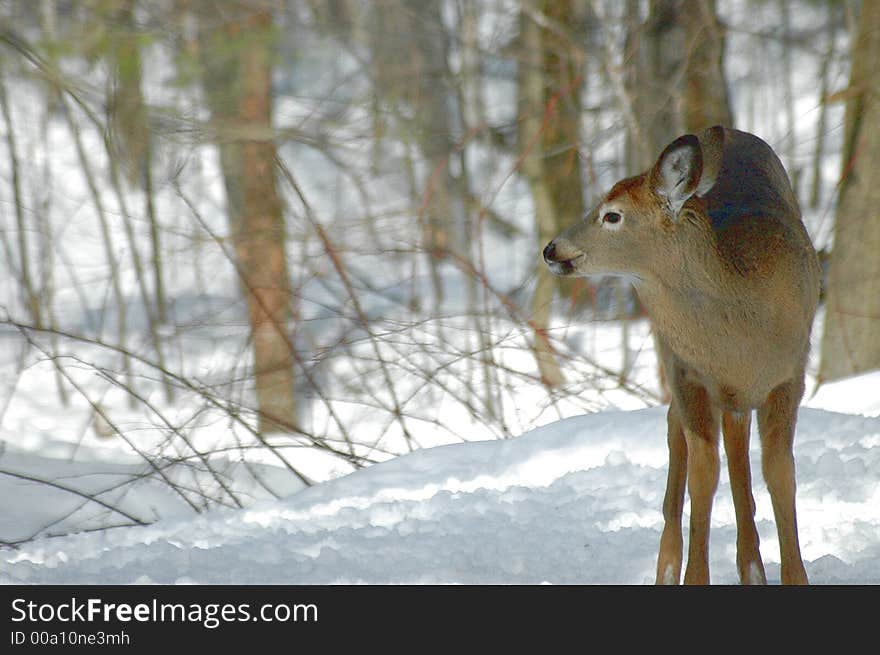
(550,252)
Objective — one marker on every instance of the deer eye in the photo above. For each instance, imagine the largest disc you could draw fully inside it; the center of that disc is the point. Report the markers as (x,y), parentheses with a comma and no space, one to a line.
(612,218)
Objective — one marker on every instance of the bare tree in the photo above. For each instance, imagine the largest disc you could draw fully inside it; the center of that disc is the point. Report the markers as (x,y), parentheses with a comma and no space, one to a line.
(28,284)
(661,57)
(680,83)
(236,55)
(851,339)
(550,79)
(705,100)
(129,142)
(824,91)
(409,48)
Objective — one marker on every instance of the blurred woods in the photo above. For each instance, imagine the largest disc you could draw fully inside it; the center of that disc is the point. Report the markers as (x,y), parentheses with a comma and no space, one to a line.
(308,233)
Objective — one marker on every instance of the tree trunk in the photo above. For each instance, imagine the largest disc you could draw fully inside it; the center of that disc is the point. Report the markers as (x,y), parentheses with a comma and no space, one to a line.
(128,141)
(819,148)
(550,78)
(410,68)
(637,149)
(237,62)
(705,101)
(661,57)
(678,83)
(788,100)
(29,288)
(851,339)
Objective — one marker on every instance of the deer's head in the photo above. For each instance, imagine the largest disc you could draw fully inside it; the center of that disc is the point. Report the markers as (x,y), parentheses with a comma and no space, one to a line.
(630,231)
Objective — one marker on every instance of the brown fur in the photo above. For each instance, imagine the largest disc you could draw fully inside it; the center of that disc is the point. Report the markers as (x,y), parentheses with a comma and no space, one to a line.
(713,238)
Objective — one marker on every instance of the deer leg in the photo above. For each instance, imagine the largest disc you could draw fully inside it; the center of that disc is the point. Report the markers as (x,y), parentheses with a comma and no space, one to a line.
(776,423)
(700,424)
(669,559)
(735,427)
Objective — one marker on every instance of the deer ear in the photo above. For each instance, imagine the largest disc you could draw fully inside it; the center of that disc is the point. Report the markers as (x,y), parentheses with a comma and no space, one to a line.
(712,147)
(676,174)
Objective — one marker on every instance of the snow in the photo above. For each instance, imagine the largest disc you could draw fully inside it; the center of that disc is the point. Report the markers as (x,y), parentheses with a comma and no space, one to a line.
(841,396)
(575,501)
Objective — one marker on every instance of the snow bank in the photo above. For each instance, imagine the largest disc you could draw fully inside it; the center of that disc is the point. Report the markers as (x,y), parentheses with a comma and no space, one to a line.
(577,501)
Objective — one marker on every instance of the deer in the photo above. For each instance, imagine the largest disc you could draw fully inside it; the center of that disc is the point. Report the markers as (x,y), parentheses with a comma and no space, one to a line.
(712,239)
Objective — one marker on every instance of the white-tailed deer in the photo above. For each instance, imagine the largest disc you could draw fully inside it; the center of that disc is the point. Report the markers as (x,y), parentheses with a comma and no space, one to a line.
(713,240)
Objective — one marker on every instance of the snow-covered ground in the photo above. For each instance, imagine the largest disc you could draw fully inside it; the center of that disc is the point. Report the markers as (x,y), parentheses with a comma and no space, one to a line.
(575,501)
